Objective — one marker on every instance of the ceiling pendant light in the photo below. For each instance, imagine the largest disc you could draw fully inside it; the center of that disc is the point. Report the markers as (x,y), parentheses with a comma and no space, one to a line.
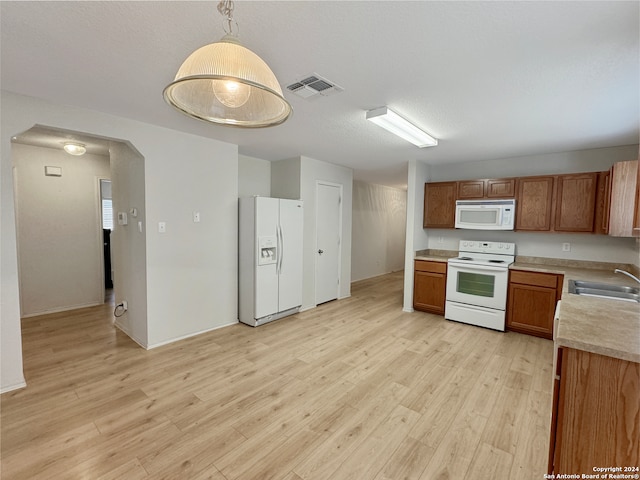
(73,148)
(228,84)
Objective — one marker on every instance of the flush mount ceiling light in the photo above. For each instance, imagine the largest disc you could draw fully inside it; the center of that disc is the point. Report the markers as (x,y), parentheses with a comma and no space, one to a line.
(228,84)
(391,121)
(73,148)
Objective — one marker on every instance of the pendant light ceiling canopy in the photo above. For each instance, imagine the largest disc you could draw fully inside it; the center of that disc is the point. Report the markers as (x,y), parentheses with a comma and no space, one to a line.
(228,84)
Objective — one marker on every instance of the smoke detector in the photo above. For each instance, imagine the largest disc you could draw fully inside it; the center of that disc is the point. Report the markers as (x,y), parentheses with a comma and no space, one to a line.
(314,86)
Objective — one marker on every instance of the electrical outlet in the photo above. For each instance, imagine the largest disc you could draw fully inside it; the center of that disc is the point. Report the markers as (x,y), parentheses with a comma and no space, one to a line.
(566,247)
(440,239)
(125,305)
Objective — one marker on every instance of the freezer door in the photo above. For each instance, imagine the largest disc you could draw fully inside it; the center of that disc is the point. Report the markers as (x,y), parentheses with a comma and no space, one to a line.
(266,278)
(290,256)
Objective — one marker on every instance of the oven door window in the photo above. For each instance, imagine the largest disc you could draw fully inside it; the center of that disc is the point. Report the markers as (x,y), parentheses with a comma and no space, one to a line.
(477,284)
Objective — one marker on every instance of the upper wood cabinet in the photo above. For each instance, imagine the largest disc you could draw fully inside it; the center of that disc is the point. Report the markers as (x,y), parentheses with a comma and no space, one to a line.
(501,188)
(487,188)
(440,204)
(470,189)
(533,203)
(624,198)
(575,202)
(603,199)
(636,217)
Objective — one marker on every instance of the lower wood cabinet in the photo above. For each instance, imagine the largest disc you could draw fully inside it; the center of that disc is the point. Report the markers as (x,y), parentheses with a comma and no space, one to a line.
(595,414)
(531,302)
(429,286)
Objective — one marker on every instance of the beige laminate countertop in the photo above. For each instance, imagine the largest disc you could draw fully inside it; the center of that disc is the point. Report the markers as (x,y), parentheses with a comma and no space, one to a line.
(596,325)
(433,258)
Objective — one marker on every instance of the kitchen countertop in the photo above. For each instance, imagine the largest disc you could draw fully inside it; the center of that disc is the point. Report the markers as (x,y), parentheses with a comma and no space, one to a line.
(597,325)
(432,258)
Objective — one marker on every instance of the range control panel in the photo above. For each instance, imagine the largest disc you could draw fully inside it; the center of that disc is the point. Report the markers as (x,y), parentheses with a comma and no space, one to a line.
(487,247)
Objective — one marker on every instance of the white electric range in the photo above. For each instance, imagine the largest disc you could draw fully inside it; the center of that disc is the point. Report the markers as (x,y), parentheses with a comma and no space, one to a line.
(477,283)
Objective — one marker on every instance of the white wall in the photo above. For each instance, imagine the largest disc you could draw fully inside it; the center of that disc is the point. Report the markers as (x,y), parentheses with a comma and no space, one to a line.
(191,269)
(254,177)
(129,242)
(417,238)
(583,246)
(296,178)
(11,374)
(59,229)
(310,172)
(378,230)
(285,178)
(594,160)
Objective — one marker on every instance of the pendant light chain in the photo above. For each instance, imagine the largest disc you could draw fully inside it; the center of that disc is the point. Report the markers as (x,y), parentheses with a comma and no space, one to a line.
(225,7)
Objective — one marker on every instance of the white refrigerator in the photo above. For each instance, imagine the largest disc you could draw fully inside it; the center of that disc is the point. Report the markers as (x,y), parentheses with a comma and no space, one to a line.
(270,259)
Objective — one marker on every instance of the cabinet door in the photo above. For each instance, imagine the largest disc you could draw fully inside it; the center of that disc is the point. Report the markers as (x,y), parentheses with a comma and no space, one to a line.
(501,188)
(623,198)
(429,288)
(470,189)
(598,411)
(530,309)
(636,217)
(440,204)
(603,198)
(575,202)
(533,203)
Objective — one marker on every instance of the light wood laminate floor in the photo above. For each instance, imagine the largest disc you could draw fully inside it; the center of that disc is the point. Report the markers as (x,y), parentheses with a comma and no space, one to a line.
(353,389)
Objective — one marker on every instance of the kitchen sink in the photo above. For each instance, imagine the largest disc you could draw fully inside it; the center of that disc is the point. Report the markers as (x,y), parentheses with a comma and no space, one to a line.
(604,290)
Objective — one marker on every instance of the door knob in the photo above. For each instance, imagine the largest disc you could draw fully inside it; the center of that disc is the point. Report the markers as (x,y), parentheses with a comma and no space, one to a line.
(320,252)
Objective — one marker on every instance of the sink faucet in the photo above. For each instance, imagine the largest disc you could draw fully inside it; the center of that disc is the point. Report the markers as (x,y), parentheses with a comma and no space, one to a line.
(617,270)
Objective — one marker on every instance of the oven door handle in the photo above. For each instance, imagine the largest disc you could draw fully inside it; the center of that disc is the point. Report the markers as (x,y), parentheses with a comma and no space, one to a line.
(484,268)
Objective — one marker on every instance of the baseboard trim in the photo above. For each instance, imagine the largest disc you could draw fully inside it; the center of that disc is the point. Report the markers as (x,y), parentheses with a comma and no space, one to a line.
(177,339)
(120,327)
(11,388)
(408,310)
(62,309)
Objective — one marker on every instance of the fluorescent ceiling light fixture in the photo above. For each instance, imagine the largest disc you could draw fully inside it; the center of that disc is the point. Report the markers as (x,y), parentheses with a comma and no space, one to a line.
(391,121)
(73,148)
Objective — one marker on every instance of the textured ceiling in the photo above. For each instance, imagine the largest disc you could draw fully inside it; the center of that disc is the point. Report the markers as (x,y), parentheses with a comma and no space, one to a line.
(489,79)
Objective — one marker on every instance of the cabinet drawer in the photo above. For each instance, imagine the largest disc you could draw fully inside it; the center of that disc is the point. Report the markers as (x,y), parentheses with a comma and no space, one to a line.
(548,280)
(434,267)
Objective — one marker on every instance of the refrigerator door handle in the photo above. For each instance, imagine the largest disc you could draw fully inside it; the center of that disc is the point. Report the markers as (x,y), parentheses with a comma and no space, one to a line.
(280,245)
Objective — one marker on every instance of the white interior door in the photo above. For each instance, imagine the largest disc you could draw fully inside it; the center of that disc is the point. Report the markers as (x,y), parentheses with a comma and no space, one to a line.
(327,242)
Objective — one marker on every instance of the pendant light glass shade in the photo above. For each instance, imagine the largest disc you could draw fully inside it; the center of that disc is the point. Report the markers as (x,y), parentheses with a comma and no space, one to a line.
(226,83)
(73,148)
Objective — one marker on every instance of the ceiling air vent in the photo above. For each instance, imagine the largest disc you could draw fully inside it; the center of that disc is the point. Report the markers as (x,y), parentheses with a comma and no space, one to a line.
(314,86)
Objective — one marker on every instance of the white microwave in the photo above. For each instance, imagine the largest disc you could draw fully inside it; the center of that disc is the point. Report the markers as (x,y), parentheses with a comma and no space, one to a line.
(486,214)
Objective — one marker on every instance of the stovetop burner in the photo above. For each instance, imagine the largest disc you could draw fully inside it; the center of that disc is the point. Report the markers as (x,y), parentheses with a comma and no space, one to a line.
(496,261)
